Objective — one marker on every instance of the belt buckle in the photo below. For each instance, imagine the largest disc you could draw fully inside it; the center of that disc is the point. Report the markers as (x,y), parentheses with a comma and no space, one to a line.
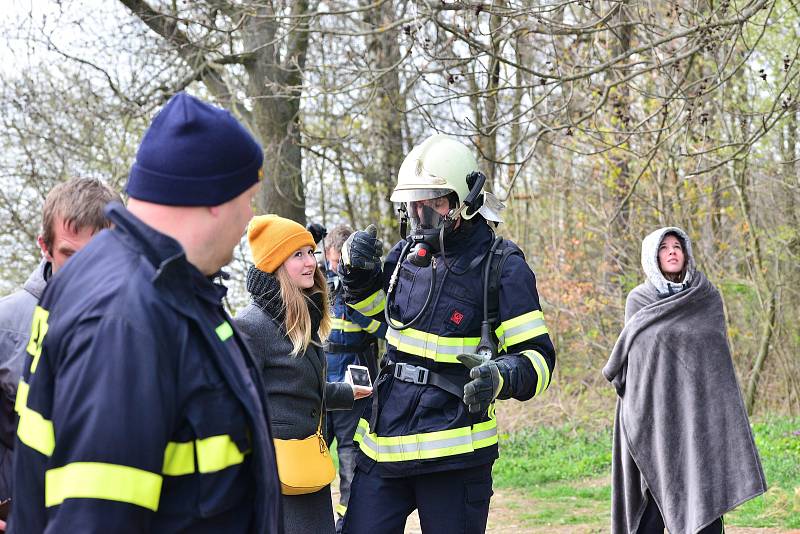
(411,373)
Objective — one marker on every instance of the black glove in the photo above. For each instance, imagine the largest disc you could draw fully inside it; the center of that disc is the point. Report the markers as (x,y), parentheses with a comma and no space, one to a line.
(488,380)
(318,232)
(362,250)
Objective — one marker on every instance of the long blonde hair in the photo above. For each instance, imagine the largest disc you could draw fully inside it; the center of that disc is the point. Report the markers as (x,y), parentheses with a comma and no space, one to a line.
(297,320)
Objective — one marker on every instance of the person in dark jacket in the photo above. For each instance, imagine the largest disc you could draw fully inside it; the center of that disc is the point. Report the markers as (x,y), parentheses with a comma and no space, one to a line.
(352,341)
(284,327)
(140,407)
(429,438)
(71,215)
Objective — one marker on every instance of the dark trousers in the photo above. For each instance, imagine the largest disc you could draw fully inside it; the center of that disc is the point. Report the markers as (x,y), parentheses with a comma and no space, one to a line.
(341,426)
(653,523)
(449,502)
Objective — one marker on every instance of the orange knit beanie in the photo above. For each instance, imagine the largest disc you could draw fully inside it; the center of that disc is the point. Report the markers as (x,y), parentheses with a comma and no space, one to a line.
(273,239)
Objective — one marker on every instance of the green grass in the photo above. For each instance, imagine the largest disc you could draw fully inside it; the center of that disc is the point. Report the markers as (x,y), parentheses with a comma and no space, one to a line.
(778,442)
(564,475)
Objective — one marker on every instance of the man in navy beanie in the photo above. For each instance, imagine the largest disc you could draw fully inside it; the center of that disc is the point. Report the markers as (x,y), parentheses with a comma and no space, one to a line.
(140,407)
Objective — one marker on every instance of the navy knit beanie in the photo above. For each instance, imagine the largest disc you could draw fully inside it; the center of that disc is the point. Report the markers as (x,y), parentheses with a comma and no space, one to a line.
(194,154)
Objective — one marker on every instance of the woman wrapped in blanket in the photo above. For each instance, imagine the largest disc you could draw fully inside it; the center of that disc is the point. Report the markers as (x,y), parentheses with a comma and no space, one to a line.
(683,452)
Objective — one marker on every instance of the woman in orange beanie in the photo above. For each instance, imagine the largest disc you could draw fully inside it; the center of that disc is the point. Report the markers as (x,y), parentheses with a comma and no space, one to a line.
(285,326)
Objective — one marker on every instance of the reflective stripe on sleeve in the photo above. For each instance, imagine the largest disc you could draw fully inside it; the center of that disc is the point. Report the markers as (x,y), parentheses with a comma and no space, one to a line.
(373,326)
(521,328)
(214,453)
(341,509)
(371,305)
(179,459)
(344,325)
(438,348)
(542,370)
(35,431)
(426,445)
(22,396)
(94,480)
(217,453)
(38,331)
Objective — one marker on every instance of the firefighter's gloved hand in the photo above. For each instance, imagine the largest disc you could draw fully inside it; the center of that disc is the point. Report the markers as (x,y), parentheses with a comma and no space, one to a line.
(488,379)
(363,249)
(317,231)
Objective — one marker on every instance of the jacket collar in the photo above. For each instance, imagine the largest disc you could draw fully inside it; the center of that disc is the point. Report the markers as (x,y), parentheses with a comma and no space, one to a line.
(472,239)
(38,279)
(173,274)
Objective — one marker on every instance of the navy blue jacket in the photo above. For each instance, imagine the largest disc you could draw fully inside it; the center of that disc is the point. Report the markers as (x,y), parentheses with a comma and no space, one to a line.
(423,428)
(349,329)
(140,409)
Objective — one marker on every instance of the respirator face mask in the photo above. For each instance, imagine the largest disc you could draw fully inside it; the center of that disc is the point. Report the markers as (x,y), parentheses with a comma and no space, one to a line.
(431,219)
(426,215)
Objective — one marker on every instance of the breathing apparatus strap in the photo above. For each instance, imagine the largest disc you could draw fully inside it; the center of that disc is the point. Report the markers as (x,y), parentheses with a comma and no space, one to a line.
(498,255)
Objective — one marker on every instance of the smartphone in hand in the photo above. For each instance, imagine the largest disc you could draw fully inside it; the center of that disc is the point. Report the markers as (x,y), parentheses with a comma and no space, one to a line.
(357,375)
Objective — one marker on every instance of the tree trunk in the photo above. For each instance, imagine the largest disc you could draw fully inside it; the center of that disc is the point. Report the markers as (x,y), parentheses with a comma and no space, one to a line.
(763,349)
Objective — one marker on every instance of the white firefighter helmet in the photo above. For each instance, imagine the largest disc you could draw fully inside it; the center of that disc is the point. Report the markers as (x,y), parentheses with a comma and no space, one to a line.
(439,166)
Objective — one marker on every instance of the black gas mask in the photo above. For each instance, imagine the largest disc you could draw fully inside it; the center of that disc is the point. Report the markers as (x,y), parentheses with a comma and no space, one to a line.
(431,221)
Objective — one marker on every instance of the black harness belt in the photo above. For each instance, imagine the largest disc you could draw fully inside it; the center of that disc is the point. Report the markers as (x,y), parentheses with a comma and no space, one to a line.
(416,374)
(340,348)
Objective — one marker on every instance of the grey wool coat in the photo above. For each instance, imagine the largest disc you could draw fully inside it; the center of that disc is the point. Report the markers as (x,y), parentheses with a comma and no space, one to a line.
(295,386)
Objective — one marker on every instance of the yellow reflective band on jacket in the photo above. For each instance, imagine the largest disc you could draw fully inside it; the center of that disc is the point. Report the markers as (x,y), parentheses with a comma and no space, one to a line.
(178,459)
(214,453)
(438,348)
(341,509)
(521,328)
(224,331)
(22,396)
(427,445)
(542,370)
(38,331)
(94,480)
(373,326)
(371,305)
(344,325)
(35,431)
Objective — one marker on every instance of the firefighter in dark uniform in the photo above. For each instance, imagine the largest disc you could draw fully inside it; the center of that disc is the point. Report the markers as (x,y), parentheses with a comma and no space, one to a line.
(140,407)
(352,341)
(429,438)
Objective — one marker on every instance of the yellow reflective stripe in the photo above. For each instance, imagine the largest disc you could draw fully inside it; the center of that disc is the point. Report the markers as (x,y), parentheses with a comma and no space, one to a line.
(224,331)
(542,370)
(178,459)
(371,305)
(94,480)
(22,396)
(344,325)
(426,445)
(39,328)
(521,328)
(438,348)
(341,509)
(373,326)
(216,453)
(35,431)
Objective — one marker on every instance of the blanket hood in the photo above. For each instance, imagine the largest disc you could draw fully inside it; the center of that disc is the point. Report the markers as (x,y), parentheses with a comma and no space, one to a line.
(650,245)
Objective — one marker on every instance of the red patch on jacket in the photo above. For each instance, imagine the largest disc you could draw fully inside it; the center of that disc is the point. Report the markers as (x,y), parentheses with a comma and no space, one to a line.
(457,317)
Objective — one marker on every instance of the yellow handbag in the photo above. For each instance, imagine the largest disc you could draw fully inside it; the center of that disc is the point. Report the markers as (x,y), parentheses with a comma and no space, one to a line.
(304,465)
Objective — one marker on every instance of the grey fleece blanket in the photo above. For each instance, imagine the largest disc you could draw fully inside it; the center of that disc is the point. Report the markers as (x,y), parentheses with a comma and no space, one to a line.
(680,429)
